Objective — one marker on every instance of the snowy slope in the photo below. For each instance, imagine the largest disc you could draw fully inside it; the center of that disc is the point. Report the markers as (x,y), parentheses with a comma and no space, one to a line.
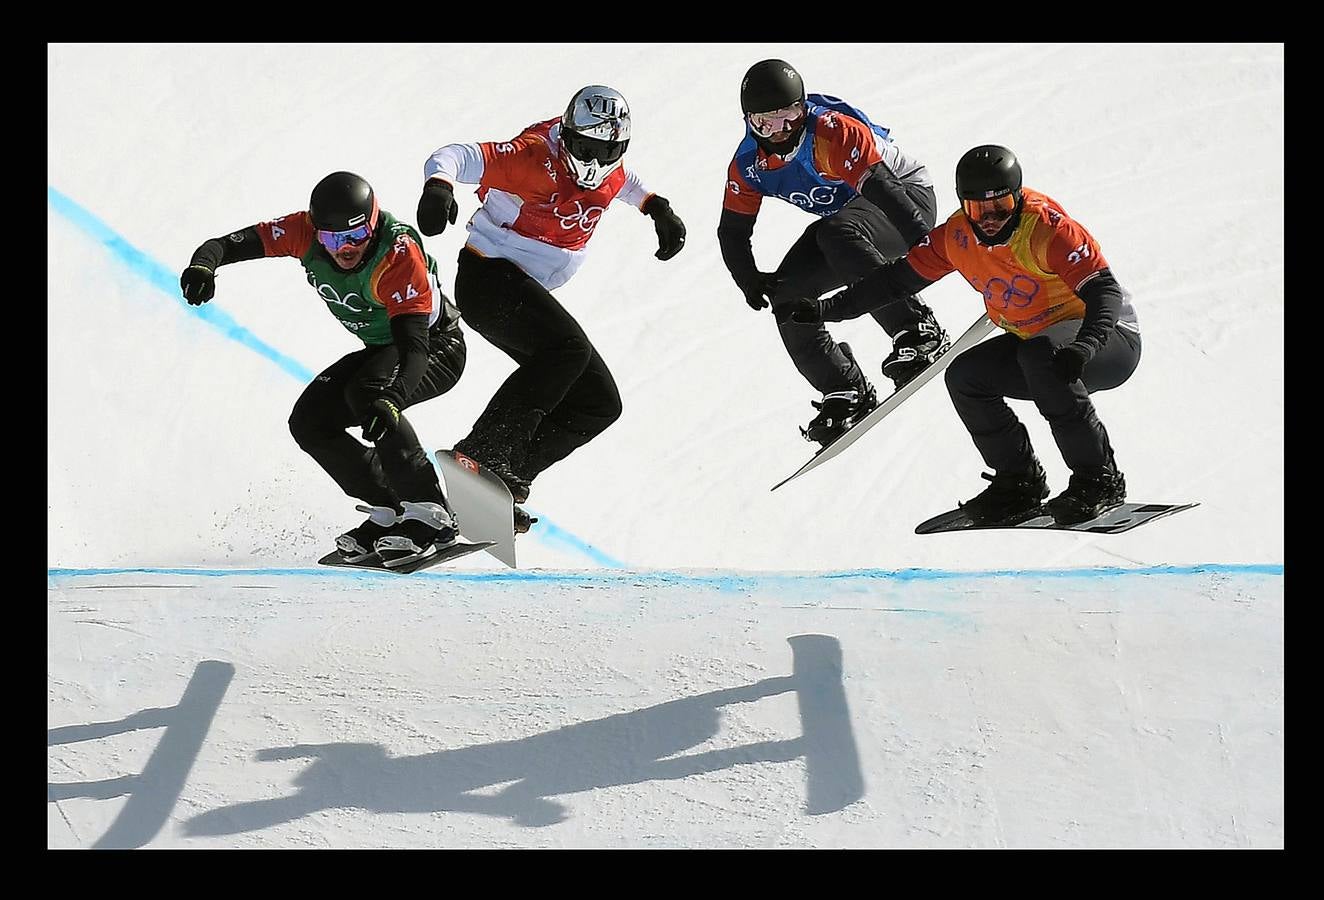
(970,697)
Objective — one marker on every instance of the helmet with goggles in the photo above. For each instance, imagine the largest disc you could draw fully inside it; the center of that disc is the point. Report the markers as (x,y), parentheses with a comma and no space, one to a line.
(988,181)
(595,130)
(344,211)
(772,97)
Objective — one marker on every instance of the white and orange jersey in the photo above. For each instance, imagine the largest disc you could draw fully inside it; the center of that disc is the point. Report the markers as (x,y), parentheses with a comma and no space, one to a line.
(533,212)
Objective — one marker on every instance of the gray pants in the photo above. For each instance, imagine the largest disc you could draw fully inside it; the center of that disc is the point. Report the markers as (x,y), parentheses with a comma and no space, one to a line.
(1007,366)
(836,251)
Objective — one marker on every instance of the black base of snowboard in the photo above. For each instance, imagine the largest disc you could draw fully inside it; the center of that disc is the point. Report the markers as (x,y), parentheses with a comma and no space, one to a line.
(1115,521)
(374,563)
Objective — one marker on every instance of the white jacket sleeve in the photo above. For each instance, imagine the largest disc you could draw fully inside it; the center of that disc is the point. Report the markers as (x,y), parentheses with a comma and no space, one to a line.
(633,191)
(456,162)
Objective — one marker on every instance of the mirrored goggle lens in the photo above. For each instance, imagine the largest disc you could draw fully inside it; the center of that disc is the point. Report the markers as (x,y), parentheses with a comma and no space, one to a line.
(587,149)
(995,208)
(334,240)
(769,123)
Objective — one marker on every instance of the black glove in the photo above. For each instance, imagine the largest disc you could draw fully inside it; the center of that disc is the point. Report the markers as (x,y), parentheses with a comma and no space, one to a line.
(670,229)
(799,312)
(198,284)
(1069,361)
(759,290)
(382,419)
(436,207)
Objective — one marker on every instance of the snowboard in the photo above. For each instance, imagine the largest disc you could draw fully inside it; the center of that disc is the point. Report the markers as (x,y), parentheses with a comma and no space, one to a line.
(484,508)
(373,564)
(981,328)
(1115,521)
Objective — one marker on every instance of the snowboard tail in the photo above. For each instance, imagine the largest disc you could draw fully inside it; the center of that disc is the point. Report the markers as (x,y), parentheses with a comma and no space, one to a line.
(483,505)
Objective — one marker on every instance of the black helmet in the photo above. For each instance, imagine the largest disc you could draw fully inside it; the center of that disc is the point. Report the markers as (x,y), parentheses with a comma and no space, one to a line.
(983,175)
(770,84)
(341,201)
(986,172)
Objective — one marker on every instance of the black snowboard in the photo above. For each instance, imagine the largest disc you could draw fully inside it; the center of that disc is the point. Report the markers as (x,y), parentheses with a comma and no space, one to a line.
(373,563)
(1123,518)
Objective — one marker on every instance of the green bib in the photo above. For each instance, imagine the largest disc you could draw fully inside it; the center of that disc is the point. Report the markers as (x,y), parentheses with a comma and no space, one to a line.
(349,295)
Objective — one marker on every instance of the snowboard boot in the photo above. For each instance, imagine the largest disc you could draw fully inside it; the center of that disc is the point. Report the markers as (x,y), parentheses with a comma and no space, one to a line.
(914,349)
(837,412)
(422,530)
(496,463)
(1012,497)
(1089,494)
(356,545)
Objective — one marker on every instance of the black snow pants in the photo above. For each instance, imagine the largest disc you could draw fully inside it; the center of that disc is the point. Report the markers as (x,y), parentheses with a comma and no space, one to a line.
(833,252)
(397,468)
(561,395)
(982,377)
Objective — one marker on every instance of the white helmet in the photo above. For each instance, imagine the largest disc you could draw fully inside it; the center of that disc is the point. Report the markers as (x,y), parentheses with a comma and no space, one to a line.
(595,131)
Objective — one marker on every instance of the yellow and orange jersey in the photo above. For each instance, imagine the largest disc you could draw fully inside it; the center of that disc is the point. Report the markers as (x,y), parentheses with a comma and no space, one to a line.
(1028,283)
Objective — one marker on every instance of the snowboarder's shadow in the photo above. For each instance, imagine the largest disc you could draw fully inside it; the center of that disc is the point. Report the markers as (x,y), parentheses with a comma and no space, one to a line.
(628,748)
(153,792)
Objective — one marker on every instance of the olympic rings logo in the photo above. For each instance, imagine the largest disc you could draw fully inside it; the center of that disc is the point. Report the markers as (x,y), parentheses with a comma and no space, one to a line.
(1019,292)
(817,196)
(333,298)
(586,219)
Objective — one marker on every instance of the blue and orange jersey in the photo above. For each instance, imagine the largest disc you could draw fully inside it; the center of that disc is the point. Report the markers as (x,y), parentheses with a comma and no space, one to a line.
(838,145)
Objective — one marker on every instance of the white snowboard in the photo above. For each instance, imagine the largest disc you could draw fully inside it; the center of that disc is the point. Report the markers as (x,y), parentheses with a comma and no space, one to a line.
(981,328)
(482,503)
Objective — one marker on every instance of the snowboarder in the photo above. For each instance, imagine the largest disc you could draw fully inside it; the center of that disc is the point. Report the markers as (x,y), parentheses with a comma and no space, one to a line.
(1071,331)
(872,202)
(372,273)
(542,195)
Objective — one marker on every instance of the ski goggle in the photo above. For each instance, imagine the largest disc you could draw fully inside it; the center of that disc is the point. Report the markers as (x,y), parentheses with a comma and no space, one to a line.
(993,208)
(335,240)
(766,124)
(587,149)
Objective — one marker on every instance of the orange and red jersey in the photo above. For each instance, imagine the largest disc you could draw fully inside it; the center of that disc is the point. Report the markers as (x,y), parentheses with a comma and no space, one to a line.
(1028,283)
(534,213)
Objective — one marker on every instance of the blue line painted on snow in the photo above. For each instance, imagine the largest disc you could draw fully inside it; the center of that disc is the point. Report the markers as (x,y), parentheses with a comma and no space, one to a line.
(717,580)
(554,535)
(167,281)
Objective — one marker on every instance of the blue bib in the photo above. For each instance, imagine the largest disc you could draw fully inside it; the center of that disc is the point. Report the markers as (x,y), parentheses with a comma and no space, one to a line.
(798,182)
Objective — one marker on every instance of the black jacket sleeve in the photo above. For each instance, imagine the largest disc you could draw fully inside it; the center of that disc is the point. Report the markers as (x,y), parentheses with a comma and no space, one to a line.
(235,247)
(881,188)
(735,232)
(1103,298)
(409,331)
(887,284)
